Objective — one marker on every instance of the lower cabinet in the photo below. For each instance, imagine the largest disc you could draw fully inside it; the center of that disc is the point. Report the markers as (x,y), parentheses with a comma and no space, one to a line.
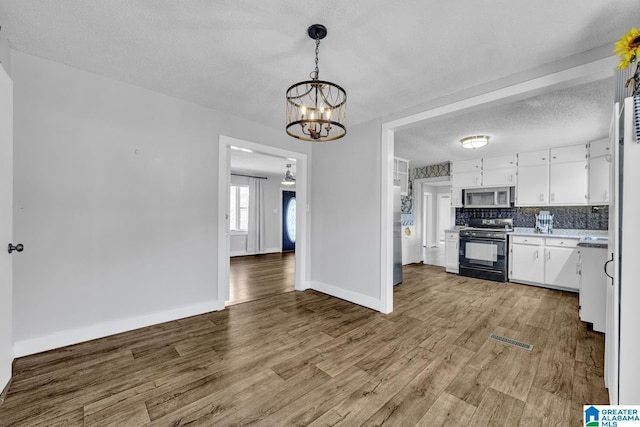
(526,260)
(451,246)
(548,261)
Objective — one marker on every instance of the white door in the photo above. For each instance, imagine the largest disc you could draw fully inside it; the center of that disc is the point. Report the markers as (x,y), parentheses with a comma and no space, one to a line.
(6,226)
(427,222)
(444,214)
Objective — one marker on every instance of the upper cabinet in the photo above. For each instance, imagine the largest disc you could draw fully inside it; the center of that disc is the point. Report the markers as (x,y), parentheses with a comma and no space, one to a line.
(599,164)
(568,175)
(533,178)
(565,176)
(499,171)
(466,173)
(401,175)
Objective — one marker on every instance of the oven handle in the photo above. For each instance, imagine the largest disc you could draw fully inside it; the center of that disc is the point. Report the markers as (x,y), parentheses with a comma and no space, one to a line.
(475,239)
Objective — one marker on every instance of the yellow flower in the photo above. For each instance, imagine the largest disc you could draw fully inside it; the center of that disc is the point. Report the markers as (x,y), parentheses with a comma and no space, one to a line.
(628,48)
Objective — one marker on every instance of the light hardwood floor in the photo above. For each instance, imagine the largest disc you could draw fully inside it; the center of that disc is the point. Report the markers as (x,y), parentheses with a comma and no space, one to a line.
(304,358)
(258,276)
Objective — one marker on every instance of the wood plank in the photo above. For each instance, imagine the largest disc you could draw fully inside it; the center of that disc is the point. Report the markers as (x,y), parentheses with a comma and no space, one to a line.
(307,358)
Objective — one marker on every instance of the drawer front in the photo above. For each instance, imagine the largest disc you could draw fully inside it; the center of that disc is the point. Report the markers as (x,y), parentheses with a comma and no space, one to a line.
(562,242)
(450,235)
(527,240)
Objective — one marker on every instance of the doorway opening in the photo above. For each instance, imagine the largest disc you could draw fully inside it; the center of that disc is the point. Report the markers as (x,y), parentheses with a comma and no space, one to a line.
(252,262)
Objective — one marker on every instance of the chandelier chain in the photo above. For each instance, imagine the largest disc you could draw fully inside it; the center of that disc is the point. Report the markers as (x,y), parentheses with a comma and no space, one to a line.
(316,72)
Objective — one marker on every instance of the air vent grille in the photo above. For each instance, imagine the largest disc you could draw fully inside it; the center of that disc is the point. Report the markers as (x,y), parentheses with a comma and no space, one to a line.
(511,341)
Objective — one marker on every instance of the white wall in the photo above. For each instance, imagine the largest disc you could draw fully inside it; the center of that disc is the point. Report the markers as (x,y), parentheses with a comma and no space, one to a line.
(116,203)
(345,206)
(273,214)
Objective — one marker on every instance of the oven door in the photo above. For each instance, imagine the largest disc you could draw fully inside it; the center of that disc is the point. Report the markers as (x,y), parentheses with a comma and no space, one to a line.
(483,258)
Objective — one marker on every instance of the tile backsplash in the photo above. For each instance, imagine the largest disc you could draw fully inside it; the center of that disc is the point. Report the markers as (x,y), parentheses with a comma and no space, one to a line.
(564,217)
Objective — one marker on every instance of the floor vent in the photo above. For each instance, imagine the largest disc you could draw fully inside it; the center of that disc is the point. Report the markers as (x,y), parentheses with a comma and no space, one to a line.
(515,343)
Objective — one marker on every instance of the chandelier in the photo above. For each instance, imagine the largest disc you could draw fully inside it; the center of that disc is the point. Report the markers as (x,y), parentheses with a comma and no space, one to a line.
(288,179)
(316,109)
(476,141)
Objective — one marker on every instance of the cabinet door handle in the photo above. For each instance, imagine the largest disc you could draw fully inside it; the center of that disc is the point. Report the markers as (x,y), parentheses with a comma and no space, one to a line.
(605,267)
(537,253)
(549,255)
(553,197)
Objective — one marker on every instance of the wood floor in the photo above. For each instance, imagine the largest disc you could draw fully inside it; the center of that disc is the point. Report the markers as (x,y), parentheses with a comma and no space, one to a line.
(303,358)
(258,276)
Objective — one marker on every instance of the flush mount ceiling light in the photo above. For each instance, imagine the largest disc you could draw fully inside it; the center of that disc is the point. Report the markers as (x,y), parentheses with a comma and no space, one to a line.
(476,141)
(288,179)
(316,109)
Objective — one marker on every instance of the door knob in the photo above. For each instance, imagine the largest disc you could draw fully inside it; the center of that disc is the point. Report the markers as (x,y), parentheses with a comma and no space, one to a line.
(19,247)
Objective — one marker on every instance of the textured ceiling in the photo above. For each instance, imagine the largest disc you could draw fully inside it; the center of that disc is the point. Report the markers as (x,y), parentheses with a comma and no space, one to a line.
(260,164)
(570,116)
(239,57)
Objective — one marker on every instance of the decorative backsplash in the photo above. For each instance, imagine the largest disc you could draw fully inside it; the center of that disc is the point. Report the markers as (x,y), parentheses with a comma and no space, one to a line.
(564,217)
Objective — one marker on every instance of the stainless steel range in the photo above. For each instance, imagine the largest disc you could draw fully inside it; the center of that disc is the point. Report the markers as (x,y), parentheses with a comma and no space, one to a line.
(484,250)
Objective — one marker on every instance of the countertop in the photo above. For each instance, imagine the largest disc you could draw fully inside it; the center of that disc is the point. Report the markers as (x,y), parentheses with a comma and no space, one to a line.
(566,233)
(588,238)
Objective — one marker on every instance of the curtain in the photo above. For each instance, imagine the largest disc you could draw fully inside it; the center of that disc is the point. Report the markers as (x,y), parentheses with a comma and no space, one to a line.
(255,233)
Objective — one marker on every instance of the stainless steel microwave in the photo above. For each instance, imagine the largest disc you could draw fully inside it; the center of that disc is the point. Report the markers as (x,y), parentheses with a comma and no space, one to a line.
(501,197)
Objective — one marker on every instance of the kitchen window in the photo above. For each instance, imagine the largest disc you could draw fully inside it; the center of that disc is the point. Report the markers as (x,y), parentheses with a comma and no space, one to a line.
(239,208)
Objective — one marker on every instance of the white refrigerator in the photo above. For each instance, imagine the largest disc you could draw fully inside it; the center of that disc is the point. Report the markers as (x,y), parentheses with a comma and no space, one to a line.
(622,339)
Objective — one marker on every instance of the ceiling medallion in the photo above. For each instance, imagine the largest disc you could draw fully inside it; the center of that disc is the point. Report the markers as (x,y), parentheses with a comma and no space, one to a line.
(316,109)
(476,141)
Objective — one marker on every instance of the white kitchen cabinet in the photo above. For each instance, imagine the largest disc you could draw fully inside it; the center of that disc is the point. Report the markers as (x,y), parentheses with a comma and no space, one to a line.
(547,261)
(451,250)
(533,186)
(456,197)
(568,183)
(526,259)
(472,165)
(401,175)
(572,153)
(593,286)
(499,177)
(533,158)
(599,148)
(466,173)
(500,162)
(499,171)
(466,179)
(599,180)
(561,263)
(599,164)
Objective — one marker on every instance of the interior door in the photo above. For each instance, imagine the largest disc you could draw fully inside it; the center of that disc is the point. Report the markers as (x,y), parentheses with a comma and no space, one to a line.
(6,226)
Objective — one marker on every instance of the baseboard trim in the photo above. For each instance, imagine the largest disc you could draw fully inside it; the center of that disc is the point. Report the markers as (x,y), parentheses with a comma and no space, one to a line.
(354,297)
(245,253)
(3,395)
(101,330)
